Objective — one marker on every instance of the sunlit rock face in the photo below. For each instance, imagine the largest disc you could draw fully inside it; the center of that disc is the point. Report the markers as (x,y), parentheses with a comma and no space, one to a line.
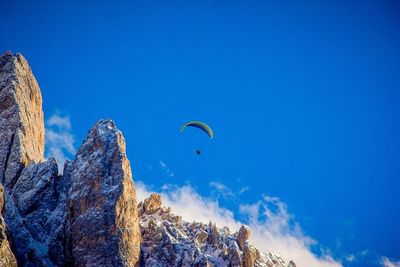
(168,240)
(21,118)
(102,207)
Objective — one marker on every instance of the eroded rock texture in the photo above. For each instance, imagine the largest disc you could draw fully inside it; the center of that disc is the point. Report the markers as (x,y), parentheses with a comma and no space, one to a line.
(36,213)
(35,196)
(167,240)
(102,206)
(21,118)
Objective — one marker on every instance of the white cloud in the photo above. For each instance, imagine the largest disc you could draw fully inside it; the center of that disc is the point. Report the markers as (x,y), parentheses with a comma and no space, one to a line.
(351,258)
(222,190)
(219,189)
(166,169)
(59,139)
(358,257)
(273,228)
(162,164)
(186,202)
(386,262)
(244,189)
(364,252)
(61,122)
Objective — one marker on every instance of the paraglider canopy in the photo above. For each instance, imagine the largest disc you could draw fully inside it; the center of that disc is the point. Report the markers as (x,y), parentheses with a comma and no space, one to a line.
(200,125)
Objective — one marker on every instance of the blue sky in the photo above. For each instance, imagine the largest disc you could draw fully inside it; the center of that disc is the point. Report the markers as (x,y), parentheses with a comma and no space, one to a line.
(303,98)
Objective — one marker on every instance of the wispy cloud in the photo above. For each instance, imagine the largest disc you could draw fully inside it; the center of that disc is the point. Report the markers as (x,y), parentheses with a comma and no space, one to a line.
(59,139)
(244,189)
(361,256)
(220,189)
(186,202)
(350,258)
(166,169)
(273,227)
(386,262)
(276,230)
(58,121)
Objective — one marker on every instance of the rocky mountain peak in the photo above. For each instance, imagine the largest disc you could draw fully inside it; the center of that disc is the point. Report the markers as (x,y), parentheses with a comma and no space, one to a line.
(168,240)
(243,235)
(89,215)
(21,118)
(152,204)
(102,207)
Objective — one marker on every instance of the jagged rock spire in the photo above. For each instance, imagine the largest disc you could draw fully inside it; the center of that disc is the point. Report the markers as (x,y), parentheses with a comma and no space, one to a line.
(102,207)
(21,118)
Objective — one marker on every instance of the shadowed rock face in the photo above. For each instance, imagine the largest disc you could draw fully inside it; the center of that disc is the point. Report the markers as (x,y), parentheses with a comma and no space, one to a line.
(102,206)
(6,256)
(36,213)
(21,118)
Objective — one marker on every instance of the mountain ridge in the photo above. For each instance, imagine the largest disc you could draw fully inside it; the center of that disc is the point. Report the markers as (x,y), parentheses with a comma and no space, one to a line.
(89,215)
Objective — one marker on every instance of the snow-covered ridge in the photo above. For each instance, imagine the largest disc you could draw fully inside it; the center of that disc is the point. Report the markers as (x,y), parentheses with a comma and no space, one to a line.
(168,240)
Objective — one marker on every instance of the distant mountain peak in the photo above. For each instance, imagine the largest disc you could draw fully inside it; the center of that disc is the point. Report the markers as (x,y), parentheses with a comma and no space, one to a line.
(168,240)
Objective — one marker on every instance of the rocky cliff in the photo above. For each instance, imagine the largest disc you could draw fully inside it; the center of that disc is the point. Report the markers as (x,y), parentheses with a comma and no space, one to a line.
(89,215)
(21,118)
(85,217)
(102,209)
(7,258)
(168,240)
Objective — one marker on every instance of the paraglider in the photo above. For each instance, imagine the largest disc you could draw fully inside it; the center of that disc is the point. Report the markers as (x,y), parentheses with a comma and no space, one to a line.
(202,126)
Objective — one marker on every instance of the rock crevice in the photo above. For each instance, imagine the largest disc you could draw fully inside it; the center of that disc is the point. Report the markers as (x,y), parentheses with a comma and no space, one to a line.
(8,152)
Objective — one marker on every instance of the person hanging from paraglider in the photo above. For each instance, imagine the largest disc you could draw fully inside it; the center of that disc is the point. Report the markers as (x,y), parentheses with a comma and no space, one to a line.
(202,126)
